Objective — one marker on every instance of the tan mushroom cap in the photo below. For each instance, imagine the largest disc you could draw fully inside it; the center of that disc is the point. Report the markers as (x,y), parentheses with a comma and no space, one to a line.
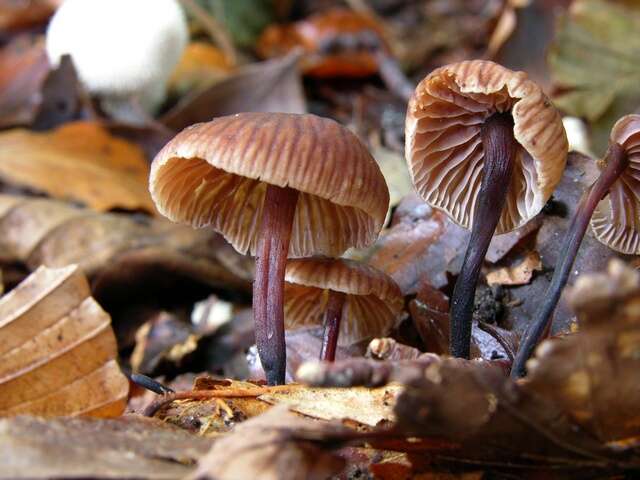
(444,148)
(216,174)
(616,219)
(371,308)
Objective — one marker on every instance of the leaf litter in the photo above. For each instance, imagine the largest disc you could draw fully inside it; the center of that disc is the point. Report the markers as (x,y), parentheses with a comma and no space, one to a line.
(95,284)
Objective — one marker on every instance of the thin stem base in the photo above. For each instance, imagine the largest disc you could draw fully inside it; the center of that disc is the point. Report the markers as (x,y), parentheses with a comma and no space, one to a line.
(268,287)
(499,152)
(616,162)
(332,318)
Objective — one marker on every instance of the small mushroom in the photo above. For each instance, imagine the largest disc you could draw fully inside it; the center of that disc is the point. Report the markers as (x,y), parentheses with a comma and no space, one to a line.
(275,185)
(124,50)
(613,207)
(485,145)
(353,300)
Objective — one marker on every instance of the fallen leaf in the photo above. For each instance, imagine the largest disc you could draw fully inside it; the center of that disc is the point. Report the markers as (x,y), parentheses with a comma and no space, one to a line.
(244,19)
(201,66)
(389,349)
(107,172)
(270,447)
(271,86)
(592,256)
(336,42)
(363,405)
(17,15)
(64,99)
(519,274)
(592,62)
(165,339)
(132,261)
(423,244)
(592,374)
(58,351)
(23,69)
(128,447)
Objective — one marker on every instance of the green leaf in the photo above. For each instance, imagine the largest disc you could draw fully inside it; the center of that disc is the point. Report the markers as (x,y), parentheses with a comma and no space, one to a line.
(244,19)
(595,63)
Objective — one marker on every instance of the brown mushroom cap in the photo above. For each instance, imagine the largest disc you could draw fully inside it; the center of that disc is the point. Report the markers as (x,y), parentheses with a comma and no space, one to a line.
(216,174)
(444,148)
(373,299)
(616,219)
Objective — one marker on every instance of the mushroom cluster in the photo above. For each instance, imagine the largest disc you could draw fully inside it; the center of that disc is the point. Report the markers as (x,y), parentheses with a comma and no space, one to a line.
(483,144)
(276,185)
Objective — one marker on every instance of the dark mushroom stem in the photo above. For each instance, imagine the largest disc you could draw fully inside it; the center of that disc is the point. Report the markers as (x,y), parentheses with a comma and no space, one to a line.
(332,317)
(616,162)
(500,149)
(268,288)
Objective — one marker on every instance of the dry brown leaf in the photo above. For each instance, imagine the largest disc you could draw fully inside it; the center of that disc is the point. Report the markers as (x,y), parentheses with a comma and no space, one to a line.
(270,447)
(79,161)
(593,374)
(201,66)
(128,447)
(225,403)
(23,68)
(364,405)
(519,274)
(58,351)
(21,15)
(38,231)
(272,86)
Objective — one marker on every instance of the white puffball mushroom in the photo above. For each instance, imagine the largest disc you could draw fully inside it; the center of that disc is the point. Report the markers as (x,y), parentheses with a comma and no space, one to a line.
(124,50)
(577,135)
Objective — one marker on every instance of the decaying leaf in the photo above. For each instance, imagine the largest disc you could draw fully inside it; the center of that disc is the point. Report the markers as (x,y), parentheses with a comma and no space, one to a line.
(575,413)
(23,68)
(593,63)
(366,406)
(592,375)
(217,405)
(270,447)
(37,231)
(79,161)
(272,86)
(201,66)
(58,351)
(518,274)
(132,261)
(592,256)
(128,447)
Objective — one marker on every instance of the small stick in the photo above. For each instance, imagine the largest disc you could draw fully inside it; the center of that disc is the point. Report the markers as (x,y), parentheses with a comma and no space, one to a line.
(157,404)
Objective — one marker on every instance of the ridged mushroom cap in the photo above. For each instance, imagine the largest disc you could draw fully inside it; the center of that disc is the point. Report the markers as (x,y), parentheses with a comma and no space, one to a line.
(373,299)
(444,148)
(216,174)
(616,219)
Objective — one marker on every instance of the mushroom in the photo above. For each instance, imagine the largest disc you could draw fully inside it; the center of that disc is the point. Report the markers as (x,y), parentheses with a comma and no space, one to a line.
(615,219)
(124,50)
(353,300)
(484,145)
(275,185)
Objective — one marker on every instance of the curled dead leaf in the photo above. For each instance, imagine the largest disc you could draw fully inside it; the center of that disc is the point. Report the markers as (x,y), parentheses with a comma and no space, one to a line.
(58,351)
(96,448)
(271,86)
(107,172)
(519,274)
(270,447)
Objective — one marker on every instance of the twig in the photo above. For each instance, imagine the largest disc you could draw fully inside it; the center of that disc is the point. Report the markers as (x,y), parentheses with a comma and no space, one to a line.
(214,28)
(157,404)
